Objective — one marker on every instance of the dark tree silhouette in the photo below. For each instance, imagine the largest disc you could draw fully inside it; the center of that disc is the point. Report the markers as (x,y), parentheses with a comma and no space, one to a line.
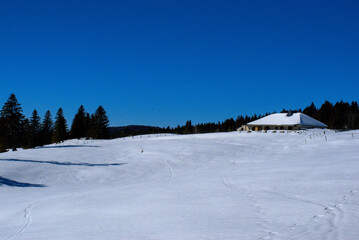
(46,129)
(325,113)
(188,128)
(99,124)
(12,121)
(60,127)
(34,130)
(311,110)
(79,124)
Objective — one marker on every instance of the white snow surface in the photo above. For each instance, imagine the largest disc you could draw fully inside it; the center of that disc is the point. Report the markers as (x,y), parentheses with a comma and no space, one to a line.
(206,186)
(282,119)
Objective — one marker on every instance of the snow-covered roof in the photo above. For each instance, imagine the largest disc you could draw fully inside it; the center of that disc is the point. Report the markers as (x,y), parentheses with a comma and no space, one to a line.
(288,120)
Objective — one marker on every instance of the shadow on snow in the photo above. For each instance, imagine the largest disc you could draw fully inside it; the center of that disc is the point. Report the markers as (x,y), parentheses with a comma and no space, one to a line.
(64,163)
(12,183)
(70,146)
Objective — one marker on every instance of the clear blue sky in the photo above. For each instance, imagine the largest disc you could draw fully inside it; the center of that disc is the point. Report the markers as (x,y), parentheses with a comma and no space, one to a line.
(164,62)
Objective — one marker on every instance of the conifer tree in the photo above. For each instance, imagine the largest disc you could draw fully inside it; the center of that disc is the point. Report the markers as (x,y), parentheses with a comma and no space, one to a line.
(239,121)
(354,115)
(325,114)
(2,136)
(88,122)
(340,118)
(26,139)
(34,130)
(46,129)
(60,127)
(99,124)
(355,122)
(12,123)
(79,125)
(188,128)
(311,110)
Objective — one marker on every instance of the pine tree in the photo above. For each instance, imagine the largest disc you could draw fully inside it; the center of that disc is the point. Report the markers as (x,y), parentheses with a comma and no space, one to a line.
(2,136)
(99,124)
(26,141)
(341,115)
(247,119)
(326,113)
(88,122)
(229,125)
(188,128)
(46,129)
(354,116)
(356,122)
(79,124)
(60,128)
(34,130)
(239,121)
(12,123)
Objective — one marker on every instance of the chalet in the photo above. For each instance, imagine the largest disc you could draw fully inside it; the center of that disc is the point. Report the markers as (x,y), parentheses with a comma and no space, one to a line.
(283,121)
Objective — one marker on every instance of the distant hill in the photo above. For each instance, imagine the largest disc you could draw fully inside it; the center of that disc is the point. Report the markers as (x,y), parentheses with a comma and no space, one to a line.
(131,130)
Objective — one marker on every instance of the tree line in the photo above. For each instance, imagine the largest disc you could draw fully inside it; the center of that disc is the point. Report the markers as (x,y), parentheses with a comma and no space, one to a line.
(132,130)
(18,131)
(341,115)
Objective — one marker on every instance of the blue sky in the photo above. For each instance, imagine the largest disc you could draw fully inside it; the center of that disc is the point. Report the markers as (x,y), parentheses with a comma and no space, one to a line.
(164,62)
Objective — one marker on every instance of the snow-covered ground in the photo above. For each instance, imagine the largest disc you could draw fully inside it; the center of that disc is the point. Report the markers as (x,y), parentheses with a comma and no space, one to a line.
(205,186)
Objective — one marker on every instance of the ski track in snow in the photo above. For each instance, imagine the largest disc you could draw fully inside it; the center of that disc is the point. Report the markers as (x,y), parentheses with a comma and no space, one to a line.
(169,168)
(263,215)
(27,217)
(331,214)
(227,182)
(295,198)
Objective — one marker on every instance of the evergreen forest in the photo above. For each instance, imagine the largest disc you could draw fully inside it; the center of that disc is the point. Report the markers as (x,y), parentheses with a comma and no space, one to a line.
(18,131)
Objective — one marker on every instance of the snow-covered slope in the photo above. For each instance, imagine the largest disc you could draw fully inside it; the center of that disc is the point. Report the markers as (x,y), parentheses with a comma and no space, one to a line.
(210,186)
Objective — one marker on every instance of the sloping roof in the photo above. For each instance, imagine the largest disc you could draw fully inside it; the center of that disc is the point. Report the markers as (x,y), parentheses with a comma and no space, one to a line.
(281,119)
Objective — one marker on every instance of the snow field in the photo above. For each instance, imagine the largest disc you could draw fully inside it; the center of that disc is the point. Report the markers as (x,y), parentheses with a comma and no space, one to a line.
(203,186)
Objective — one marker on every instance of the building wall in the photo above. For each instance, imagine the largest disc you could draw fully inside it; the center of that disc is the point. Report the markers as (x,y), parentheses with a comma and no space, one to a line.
(243,128)
(269,127)
(274,127)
